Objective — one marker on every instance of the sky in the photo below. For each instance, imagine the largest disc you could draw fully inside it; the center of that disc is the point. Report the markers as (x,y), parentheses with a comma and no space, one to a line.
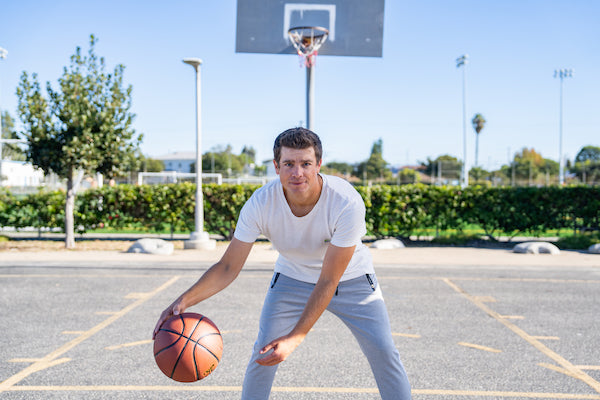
(411,98)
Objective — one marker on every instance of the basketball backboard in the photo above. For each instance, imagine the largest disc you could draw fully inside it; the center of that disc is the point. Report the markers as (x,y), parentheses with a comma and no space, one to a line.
(355,26)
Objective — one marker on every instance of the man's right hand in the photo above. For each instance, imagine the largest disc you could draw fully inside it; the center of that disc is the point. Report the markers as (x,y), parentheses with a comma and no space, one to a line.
(174,309)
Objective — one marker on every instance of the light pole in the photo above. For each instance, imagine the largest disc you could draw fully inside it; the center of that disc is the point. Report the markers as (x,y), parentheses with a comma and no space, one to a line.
(198,239)
(3,54)
(561,73)
(462,62)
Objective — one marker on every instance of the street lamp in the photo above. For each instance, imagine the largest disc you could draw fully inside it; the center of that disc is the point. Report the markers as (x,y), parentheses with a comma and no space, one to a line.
(198,239)
(561,73)
(3,54)
(462,61)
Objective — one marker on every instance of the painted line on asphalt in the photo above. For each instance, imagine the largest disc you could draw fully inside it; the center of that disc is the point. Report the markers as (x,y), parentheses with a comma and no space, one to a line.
(131,344)
(52,359)
(479,347)
(570,369)
(296,389)
(408,335)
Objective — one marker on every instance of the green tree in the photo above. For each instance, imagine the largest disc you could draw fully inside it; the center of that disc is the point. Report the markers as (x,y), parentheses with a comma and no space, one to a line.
(84,126)
(529,165)
(478,175)
(341,168)
(587,164)
(408,175)
(222,160)
(445,168)
(588,153)
(478,124)
(375,167)
(10,151)
(147,164)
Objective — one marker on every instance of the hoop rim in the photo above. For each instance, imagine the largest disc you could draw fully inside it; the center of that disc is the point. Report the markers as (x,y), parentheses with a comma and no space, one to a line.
(324,31)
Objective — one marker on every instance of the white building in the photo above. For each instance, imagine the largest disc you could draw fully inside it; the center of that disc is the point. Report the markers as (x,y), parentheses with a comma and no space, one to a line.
(20,174)
(180,161)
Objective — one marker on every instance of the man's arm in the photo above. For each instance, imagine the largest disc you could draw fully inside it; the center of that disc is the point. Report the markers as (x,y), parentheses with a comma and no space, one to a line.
(335,263)
(215,279)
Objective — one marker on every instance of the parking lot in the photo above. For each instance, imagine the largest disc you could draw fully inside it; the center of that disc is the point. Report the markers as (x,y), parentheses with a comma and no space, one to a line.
(469,324)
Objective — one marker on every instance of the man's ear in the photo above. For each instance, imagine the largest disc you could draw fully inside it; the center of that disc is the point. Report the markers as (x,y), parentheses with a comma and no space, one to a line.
(276,164)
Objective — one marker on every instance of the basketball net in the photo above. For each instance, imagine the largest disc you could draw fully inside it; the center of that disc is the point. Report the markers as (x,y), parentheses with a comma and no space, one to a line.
(308,40)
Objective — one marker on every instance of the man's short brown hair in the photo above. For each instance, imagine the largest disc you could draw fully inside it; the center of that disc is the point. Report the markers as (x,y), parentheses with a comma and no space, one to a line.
(297,138)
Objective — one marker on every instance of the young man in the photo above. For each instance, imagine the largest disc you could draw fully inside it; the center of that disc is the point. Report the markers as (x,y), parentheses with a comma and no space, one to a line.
(316,223)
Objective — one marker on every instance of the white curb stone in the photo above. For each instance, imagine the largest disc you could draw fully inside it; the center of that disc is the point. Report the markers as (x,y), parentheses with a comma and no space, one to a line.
(387,244)
(152,246)
(536,248)
(594,249)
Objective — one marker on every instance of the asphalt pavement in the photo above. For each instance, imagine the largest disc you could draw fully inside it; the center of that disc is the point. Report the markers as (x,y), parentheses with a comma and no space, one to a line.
(468,323)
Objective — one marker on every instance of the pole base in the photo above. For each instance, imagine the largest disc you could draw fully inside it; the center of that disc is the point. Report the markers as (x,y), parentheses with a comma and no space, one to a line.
(199,241)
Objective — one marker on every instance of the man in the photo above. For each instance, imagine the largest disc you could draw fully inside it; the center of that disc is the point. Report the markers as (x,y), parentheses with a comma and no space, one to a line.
(316,223)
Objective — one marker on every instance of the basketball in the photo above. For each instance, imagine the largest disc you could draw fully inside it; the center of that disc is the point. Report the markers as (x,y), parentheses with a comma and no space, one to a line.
(188,347)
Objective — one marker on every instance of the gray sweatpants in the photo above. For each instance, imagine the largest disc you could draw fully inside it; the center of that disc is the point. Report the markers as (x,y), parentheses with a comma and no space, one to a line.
(359,304)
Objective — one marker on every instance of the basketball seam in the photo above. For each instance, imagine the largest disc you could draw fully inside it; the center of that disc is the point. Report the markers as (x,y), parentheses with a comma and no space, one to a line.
(172,344)
(206,348)
(194,349)
(184,346)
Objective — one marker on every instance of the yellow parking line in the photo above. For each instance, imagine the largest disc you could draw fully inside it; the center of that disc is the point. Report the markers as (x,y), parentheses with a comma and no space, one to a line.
(408,335)
(571,369)
(480,347)
(131,344)
(546,337)
(296,389)
(51,359)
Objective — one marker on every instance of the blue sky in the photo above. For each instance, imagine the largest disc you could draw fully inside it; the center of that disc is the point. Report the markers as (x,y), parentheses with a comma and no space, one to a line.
(411,98)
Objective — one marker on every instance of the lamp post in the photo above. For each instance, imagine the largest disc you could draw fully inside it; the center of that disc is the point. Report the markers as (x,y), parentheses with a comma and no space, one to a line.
(198,239)
(3,54)
(462,61)
(561,73)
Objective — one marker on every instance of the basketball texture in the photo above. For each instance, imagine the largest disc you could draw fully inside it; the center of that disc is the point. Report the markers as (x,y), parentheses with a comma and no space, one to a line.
(188,347)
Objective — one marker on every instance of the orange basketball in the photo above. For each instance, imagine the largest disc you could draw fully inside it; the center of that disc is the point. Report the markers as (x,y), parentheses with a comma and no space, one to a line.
(188,347)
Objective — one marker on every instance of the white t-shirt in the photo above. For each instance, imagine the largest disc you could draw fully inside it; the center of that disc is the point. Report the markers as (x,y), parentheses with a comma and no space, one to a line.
(337,218)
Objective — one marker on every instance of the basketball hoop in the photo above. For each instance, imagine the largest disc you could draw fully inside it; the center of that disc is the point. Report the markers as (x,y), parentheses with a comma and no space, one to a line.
(308,40)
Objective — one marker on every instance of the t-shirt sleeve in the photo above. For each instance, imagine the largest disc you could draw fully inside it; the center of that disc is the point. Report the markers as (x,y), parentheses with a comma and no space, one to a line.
(350,227)
(247,228)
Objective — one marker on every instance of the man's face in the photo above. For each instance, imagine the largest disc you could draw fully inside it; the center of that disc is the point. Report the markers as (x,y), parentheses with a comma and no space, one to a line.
(298,169)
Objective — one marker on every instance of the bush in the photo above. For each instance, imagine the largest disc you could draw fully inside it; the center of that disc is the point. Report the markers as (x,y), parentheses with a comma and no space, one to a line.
(578,242)
(391,211)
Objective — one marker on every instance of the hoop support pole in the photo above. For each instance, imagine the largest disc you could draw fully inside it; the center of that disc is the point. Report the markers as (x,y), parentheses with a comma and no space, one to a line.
(310,100)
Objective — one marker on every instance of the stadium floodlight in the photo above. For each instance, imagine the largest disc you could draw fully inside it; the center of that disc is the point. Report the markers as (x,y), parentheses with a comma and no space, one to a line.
(462,61)
(561,73)
(199,239)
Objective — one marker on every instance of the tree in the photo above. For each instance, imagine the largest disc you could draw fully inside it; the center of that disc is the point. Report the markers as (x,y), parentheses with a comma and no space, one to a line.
(84,126)
(587,164)
(221,159)
(341,168)
(10,151)
(478,124)
(408,175)
(588,153)
(478,174)
(529,165)
(444,167)
(375,167)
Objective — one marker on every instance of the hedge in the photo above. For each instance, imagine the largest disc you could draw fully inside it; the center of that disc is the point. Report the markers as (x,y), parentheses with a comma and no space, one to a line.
(392,211)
